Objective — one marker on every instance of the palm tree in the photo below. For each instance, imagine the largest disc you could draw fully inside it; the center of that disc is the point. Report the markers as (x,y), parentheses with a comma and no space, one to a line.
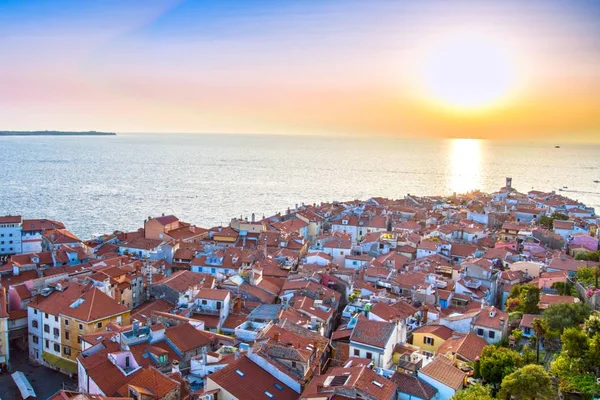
(539,327)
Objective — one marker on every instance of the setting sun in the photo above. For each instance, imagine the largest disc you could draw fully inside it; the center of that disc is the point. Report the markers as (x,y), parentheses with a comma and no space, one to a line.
(469,72)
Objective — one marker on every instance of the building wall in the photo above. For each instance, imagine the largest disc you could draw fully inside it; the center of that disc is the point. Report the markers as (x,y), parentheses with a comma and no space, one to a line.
(31,242)
(486,334)
(419,341)
(444,392)
(4,346)
(156,230)
(51,339)
(88,328)
(35,349)
(223,394)
(10,233)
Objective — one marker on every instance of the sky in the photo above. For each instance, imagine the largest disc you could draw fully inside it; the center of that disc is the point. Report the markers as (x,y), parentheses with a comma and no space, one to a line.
(499,69)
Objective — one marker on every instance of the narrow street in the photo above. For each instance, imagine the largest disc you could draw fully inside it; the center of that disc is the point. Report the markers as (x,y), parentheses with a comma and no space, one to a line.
(45,381)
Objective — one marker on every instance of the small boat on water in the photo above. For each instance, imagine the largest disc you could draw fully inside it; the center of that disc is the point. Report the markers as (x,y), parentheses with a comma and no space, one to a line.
(557,147)
(597,181)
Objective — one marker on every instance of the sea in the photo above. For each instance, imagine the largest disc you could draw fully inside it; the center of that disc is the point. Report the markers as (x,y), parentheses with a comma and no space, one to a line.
(97,185)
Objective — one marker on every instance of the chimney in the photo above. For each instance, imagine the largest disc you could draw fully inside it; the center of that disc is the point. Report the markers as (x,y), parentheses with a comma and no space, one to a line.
(253,217)
(236,355)
(175,367)
(276,336)
(425,310)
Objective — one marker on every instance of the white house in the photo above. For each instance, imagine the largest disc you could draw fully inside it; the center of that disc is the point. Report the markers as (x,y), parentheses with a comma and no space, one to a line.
(374,340)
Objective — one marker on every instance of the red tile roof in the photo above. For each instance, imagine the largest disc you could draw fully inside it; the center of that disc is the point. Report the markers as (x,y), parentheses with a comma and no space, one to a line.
(467,346)
(94,305)
(246,380)
(185,337)
(440,331)
(442,370)
(373,333)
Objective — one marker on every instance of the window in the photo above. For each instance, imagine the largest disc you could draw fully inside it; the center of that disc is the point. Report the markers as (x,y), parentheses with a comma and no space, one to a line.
(204,302)
(57,347)
(80,327)
(56,318)
(47,343)
(35,311)
(479,332)
(356,352)
(46,315)
(46,328)
(67,350)
(428,340)
(35,339)
(55,331)
(492,334)
(34,324)
(99,325)
(67,335)
(127,363)
(293,364)
(218,305)
(369,355)
(78,339)
(66,322)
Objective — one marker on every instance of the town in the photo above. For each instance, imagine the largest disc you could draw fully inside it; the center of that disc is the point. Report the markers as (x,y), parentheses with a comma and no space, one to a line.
(468,296)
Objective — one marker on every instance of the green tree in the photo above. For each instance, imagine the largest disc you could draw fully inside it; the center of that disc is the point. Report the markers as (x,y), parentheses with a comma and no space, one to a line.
(474,392)
(546,222)
(498,362)
(524,298)
(563,315)
(530,382)
(564,288)
(559,216)
(517,334)
(540,327)
(588,256)
(531,299)
(592,324)
(574,342)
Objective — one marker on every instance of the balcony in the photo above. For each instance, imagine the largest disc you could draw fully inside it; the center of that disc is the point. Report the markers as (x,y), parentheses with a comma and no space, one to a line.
(140,335)
(206,311)
(472,283)
(250,330)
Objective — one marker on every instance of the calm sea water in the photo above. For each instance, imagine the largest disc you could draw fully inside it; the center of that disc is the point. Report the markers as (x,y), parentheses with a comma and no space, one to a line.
(99,184)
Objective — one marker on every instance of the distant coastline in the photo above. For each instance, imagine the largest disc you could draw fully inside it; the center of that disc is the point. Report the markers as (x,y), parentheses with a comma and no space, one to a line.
(55,133)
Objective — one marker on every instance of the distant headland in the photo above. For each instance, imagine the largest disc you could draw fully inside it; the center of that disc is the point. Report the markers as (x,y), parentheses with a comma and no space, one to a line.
(55,133)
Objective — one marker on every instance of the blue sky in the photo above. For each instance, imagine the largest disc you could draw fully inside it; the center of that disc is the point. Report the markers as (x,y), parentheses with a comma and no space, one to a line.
(282,66)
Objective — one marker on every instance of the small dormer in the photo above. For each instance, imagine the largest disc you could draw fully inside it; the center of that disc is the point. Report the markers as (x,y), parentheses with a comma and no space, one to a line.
(344,222)
(492,312)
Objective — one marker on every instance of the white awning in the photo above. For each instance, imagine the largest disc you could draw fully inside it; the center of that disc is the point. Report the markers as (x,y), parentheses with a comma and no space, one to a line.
(23,385)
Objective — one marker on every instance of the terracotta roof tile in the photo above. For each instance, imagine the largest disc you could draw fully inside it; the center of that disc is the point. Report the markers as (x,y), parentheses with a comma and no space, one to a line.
(442,370)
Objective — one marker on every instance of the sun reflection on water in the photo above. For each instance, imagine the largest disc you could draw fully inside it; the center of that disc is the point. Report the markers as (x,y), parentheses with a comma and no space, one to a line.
(465,165)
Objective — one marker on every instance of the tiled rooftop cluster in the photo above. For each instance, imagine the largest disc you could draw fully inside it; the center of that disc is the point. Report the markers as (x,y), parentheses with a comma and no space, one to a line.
(380,299)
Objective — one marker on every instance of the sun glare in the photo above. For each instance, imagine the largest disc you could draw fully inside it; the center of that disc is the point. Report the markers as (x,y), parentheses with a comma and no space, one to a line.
(469,72)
